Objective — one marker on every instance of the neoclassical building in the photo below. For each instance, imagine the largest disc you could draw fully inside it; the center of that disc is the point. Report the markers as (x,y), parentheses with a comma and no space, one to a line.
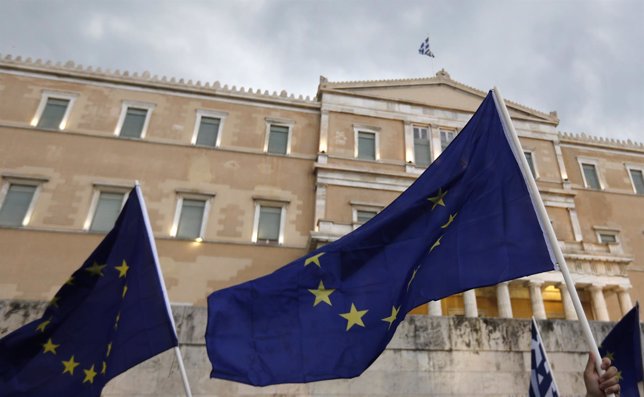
(239,182)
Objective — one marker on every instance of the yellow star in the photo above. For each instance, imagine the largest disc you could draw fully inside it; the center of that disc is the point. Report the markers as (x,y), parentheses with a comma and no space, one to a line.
(354,317)
(41,327)
(436,244)
(70,365)
(122,269)
(322,294)
(314,259)
(104,368)
(413,275)
(96,269)
(89,374)
(394,315)
(449,221)
(124,292)
(109,349)
(610,355)
(116,322)
(70,281)
(438,199)
(618,377)
(49,347)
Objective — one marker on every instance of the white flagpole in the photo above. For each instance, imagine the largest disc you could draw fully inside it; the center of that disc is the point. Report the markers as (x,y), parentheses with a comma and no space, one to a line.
(153,246)
(546,226)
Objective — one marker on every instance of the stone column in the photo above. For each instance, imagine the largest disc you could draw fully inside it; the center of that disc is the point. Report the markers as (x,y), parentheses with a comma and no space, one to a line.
(538,309)
(599,303)
(569,308)
(469,299)
(624,297)
(503,300)
(435,308)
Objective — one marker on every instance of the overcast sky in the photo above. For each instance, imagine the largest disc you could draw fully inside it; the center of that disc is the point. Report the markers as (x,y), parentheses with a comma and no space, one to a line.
(584,59)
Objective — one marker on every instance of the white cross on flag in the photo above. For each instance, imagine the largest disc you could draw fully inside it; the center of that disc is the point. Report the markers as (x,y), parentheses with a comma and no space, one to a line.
(542,382)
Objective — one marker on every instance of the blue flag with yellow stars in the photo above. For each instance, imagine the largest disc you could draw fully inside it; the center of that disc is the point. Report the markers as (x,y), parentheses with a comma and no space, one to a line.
(108,316)
(468,221)
(623,345)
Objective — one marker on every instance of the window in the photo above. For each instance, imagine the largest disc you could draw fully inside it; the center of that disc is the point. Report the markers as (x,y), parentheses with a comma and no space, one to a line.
(366,145)
(268,228)
(134,119)
(277,139)
(17,204)
(133,123)
(208,131)
(607,237)
(269,222)
(591,179)
(637,178)
(421,146)
(207,128)
(530,158)
(53,110)
(446,138)
(53,114)
(190,221)
(362,216)
(107,208)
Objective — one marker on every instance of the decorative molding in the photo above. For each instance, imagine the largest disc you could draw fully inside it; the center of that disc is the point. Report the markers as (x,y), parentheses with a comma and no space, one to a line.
(77,70)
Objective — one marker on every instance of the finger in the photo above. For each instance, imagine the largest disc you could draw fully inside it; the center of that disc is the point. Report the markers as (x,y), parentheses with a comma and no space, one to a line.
(612,381)
(605,363)
(610,372)
(590,365)
(612,389)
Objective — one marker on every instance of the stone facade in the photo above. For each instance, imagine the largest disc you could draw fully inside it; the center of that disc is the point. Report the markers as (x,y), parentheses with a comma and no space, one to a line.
(322,185)
(429,356)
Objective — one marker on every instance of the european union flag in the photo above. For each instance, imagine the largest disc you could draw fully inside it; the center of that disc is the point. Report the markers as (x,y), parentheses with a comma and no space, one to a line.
(542,382)
(623,345)
(468,221)
(109,316)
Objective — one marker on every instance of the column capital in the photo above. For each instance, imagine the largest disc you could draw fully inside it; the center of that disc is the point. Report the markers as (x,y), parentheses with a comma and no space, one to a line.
(535,283)
(597,286)
(623,288)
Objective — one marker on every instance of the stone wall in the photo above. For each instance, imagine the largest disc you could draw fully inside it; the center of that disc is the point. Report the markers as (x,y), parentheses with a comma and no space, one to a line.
(429,356)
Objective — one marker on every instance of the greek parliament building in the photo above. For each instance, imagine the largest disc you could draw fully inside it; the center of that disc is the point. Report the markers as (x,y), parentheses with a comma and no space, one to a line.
(239,181)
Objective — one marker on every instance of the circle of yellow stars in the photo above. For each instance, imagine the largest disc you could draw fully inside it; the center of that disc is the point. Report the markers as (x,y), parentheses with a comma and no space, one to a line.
(354,316)
(50,347)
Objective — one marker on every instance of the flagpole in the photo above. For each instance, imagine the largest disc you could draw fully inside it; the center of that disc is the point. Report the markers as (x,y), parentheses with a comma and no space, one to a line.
(546,226)
(182,369)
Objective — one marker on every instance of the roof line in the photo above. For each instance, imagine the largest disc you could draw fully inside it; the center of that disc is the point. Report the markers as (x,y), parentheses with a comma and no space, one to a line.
(146,77)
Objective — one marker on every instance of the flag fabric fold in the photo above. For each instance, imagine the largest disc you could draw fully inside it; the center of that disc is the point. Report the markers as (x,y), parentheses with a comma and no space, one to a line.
(468,221)
(623,345)
(110,315)
(542,382)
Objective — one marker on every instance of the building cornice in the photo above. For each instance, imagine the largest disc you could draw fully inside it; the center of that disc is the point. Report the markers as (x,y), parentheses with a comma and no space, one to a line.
(601,142)
(147,80)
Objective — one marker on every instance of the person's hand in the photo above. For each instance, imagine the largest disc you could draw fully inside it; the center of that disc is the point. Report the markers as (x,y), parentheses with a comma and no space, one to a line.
(600,386)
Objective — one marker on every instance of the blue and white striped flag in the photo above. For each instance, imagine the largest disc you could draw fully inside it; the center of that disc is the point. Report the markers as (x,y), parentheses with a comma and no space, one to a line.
(542,382)
(424,48)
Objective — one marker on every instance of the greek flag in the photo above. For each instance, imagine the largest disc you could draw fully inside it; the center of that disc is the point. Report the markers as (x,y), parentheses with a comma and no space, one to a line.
(424,48)
(542,382)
